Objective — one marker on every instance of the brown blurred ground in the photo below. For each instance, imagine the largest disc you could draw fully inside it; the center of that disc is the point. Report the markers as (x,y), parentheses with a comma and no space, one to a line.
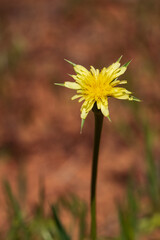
(40,124)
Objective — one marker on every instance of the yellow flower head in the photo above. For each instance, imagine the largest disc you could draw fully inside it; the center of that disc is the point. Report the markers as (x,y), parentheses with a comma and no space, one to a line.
(96,86)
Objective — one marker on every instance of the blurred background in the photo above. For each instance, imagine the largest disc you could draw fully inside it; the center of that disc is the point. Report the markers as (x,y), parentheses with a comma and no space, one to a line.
(40,125)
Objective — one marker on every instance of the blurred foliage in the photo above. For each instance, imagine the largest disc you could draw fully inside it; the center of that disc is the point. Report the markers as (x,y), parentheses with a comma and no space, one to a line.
(135,220)
(40,225)
(137,216)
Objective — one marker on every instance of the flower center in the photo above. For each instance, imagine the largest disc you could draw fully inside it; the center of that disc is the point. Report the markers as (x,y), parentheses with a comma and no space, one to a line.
(98,89)
(98,92)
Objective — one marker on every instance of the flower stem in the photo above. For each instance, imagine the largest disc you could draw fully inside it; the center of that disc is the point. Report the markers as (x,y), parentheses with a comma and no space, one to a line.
(97,135)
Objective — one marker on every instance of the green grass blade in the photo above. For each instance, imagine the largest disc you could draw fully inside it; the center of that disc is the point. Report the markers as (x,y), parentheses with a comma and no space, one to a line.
(61,230)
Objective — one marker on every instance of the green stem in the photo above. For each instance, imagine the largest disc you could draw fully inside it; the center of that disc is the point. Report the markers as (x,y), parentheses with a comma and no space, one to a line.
(97,135)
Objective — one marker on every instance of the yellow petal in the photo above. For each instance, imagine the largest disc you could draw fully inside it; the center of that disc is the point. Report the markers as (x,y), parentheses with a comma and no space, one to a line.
(119,72)
(113,67)
(72,85)
(95,72)
(123,97)
(104,109)
(80,69)
(103,71)
(81,99)
(73,76)
(99,104)
(117,82)
(119,91)
(86,107)
(76,96)
(84,114)
(123,82)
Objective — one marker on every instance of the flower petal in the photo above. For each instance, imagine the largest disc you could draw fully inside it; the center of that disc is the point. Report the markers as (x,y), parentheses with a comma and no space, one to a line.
(123,97)
(95,72)
(80,69)
(72,85)
(104,109)
(99,104)
(120,93)
(76,96)
(113,67)
(119,71)
(116,91)
(117,82)
(86,107)
(84,114)
(81,99)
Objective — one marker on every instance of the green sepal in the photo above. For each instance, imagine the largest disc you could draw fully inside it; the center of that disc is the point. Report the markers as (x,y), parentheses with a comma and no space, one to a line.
(59,84)
(127,63)
(109,118)
(136,99)
(119,59)
(82,124)
(71,75)
(70,62)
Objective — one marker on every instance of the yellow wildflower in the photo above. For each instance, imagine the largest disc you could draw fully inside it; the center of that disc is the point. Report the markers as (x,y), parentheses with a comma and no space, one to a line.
(96,86)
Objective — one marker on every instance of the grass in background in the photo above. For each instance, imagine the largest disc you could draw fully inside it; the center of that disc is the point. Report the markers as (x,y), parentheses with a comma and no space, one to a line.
(39,225)
(135,220)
